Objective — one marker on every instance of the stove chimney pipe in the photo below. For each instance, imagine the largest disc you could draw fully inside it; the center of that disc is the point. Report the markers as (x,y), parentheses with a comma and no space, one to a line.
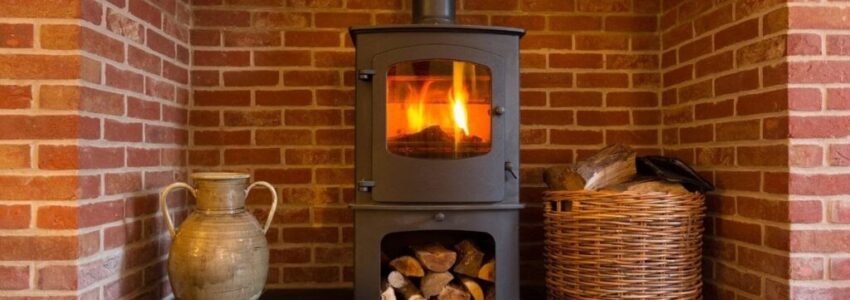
(433,11)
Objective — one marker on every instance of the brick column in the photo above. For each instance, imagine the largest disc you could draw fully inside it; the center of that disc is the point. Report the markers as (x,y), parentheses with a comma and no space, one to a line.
(94,97)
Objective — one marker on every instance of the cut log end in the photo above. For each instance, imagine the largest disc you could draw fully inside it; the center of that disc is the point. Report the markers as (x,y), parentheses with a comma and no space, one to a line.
(404,286)
(470,258)
(454,292)
(435,257)
(433,283)
(488,271)
(473,288)
(408,266)
(563,178)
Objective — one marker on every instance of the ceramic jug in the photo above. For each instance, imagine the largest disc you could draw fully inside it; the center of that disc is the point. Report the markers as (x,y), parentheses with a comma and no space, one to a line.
(220,250)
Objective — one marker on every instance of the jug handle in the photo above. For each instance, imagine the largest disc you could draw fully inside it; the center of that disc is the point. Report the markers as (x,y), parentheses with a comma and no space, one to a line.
(163,205)
(274,200)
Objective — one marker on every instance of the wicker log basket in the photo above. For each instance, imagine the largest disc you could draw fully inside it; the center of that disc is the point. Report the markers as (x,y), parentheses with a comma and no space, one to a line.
(623,245)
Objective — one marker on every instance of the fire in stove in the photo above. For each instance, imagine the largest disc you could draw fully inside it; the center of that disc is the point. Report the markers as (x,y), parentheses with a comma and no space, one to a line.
(438,109)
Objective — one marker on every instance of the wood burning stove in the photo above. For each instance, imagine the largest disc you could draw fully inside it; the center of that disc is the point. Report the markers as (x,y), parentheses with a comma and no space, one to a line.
(437,140)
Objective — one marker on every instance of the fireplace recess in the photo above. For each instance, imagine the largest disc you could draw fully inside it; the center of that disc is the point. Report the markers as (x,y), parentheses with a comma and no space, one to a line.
(437,138)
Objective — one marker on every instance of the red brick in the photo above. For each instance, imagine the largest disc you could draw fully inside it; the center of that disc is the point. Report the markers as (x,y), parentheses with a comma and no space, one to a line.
(252,39)
(311,274)
(602,80)
(630,23)
(805,156)
(312,39)
(313,156)
(14,217)
(122,25)
(762,51)
(40,9)
(575,137)
(341,20)
(694,49)
(42,67)
(175,72)
(118,183)
(839,212)
(165,135)
(678,75)
(142,109)
(282,58)
(14,278)
(601,42)
(124,79)
(14,156)
(297,235)
(738,180)
(631,62)
(15,96)
(819,184)
(575,23)
(546,41)
(819,127)
(632,137)
(204,157)
(284,137)
(839,155)
(746,80)
(239,137)
(221,18)
(251,78)
(290,255)
(805,99)
(602,118)
(743,31)
(713,64)
(747,282)
(819,241)
(713,20)
(740,231)
(16,35)
(335,137)
(138,157)
(222,98)
(284,98)
(546,156)
(545,80)
(221,58)
(546,117)
(677,35)
(312,117)
(803,268)
(161,44)
(777,265)
(73,157)
(334,175)
(603,5)
(818,18)
(776,155)
(256,156)
(311,78)
(281,20)
(836,99)
(574,99)
(490,5)
(576,61)
(143,60)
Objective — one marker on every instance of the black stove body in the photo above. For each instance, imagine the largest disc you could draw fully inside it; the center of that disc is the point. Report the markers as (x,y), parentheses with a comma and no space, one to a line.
(437,140)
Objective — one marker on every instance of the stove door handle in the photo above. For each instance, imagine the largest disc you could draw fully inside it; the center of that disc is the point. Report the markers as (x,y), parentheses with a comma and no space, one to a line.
(509,167)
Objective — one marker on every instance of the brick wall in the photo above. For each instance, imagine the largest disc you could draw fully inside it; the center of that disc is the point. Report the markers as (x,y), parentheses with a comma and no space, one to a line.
(725,106)
(273,96)
(819,131)
(94,97)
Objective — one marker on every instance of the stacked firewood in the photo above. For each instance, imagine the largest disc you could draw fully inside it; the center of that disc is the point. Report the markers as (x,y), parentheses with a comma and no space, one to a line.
(436,272)
(611,169)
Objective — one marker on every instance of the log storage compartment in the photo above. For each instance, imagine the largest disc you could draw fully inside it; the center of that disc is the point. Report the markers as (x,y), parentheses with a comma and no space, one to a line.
(436,158)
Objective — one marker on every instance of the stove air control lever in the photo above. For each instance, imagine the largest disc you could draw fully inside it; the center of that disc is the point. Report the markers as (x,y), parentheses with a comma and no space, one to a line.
(365,185)
(366,74)
(509,167)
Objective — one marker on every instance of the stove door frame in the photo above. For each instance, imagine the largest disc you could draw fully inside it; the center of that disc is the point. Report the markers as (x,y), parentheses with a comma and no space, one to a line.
(398,178)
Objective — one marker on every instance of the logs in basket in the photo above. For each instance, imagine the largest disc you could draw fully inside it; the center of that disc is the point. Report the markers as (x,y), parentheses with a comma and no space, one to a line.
(623,245)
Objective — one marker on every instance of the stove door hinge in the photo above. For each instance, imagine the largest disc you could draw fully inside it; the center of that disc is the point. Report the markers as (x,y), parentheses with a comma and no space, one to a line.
(509,167)
(365,185)
(366,74)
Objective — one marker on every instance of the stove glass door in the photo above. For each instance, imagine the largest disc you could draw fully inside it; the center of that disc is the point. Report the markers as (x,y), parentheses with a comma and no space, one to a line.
(438,109)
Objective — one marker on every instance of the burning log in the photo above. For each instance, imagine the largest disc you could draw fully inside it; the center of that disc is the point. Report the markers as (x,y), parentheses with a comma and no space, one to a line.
(408,266)
(614,164)
(404,286)
(488,271)
(470,259)
(473,288)
(435,257)
(433,283)
(387,291)
(453,292)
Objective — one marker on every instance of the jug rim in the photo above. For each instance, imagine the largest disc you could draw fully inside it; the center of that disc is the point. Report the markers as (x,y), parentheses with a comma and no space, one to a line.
(219,175)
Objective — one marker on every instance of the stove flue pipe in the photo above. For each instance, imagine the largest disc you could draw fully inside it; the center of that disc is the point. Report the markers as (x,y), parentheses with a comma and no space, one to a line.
(433,11)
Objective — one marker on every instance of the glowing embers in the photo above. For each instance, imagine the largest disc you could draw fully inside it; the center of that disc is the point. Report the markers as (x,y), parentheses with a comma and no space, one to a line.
(438,109)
